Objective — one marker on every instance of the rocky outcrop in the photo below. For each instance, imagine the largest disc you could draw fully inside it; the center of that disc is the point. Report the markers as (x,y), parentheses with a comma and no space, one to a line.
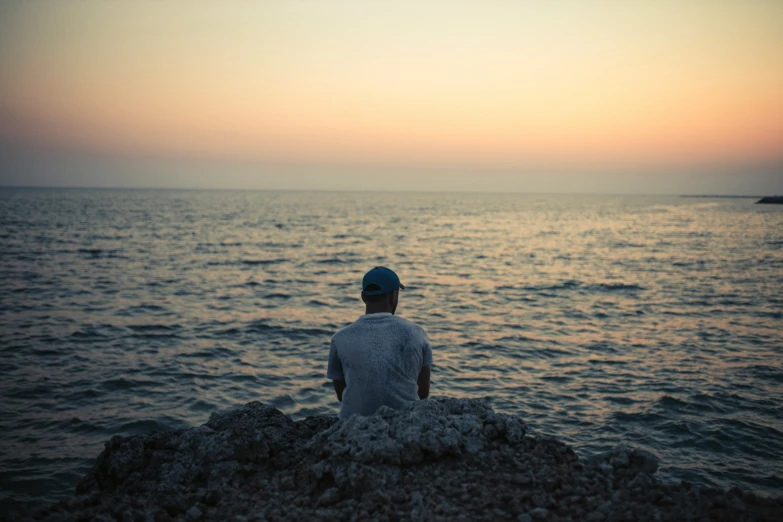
(435,460)
(771,200)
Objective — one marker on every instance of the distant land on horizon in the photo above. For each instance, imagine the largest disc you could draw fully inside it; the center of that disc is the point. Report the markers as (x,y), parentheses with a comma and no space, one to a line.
(724,196)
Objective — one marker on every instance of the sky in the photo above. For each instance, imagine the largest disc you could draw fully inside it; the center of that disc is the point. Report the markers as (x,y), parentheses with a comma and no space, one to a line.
(567,96)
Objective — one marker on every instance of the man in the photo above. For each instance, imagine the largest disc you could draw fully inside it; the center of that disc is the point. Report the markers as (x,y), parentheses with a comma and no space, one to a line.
(381,359)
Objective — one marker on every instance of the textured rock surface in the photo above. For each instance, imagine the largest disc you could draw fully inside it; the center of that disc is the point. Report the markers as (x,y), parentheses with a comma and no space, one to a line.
(436,460)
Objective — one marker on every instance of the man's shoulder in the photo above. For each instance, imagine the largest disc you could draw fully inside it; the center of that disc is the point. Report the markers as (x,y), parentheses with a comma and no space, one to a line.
(357,326)
(407,322)
(412,327)
(342,332)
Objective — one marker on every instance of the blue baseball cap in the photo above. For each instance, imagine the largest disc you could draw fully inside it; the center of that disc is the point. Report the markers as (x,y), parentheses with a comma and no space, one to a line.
(382,277)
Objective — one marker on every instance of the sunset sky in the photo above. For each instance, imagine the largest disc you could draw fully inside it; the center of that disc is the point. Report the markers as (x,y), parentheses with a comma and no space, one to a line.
(587,96)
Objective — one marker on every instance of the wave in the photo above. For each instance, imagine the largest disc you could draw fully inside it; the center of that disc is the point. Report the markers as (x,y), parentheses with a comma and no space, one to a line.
(154,328)
(155,331)
(147,426)
(77,425)
(616,287)
(771,373)
(123,383)
(277,295)
(142,309)
(333,261)
(218,352)
(262,262)
(262,327)
(96,253)
(573,284)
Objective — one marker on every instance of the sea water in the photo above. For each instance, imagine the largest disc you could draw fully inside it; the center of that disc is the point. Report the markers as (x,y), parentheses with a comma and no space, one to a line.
(650,321)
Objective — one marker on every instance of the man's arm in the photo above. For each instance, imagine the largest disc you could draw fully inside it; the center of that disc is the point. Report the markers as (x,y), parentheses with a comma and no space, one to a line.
(334,371)
(339,386)
(423,381)
(426,364)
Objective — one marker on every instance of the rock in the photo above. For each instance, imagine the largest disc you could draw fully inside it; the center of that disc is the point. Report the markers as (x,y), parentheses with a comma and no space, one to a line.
(287,483)
(193,514)
(329,497)
(596,516)
(644,460)
(499,513)
(626,458)
(424,429)
(619,457)
(443,459)
(641,480)
(211,498)
(771,200)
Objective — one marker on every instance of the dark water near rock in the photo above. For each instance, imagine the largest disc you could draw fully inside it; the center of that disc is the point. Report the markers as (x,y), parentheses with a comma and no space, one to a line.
(652,321)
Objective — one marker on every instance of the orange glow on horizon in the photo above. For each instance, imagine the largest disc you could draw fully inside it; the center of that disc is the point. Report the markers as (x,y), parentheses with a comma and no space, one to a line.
(310,83)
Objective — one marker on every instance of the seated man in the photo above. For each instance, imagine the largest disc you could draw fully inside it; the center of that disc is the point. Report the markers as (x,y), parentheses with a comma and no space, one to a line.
(380,359)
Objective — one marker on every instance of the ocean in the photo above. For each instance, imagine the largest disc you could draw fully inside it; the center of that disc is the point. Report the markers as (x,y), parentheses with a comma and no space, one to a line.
(650,321)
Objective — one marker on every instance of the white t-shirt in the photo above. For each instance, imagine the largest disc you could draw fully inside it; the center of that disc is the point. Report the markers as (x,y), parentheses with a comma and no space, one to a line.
(379,357)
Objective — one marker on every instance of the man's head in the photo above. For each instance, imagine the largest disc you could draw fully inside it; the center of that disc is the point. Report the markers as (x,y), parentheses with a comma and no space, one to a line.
(381,290)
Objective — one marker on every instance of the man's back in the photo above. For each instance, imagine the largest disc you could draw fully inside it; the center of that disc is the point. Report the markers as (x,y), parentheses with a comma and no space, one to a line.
(379,357)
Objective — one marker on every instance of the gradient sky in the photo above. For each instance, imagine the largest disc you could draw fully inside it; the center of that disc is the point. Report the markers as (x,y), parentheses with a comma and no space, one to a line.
(587,96)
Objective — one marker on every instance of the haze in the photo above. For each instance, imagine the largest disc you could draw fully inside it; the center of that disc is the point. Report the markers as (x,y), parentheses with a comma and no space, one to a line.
(566,96)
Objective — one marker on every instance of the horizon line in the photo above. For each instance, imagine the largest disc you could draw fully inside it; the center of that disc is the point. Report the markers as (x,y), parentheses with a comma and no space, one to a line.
(217,189)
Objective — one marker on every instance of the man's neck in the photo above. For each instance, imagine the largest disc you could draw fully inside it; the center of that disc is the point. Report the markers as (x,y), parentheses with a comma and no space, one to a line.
(379,310)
